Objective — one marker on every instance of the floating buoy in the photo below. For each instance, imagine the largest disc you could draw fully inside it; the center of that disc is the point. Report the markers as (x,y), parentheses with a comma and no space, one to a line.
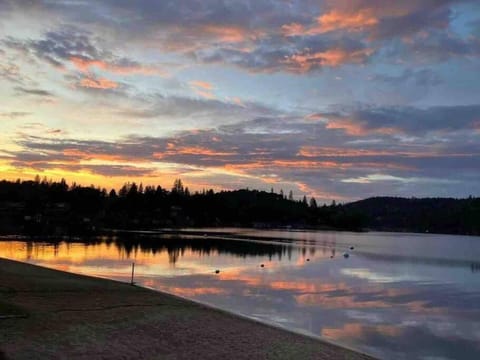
(217,271)
(346,255)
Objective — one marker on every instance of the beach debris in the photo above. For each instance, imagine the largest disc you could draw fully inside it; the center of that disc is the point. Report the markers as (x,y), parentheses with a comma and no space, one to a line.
(346,255)
(331,256)
(308,259)
(262,265)
(217,271)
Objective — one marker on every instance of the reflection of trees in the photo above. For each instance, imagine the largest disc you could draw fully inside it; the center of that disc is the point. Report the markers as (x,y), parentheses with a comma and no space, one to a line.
(176,247)
(128,245)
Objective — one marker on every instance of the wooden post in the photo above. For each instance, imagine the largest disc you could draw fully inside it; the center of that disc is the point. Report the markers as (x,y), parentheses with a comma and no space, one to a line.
(133,271)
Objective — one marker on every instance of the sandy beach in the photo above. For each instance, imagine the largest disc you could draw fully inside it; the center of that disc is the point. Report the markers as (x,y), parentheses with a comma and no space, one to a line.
(49,314)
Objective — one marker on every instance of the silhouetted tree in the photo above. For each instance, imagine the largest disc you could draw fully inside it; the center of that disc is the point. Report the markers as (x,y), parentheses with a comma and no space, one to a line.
(290,195)
(178,187)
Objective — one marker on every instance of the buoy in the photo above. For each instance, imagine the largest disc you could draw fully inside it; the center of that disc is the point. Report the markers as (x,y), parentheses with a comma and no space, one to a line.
(346,255)
(351,248)
(217,271)
(262,265)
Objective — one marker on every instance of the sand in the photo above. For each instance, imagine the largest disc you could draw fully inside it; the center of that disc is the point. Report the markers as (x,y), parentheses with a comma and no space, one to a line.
(49,314)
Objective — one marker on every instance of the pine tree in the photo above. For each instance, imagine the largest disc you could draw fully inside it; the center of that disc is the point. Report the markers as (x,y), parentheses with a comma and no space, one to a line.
(290,195)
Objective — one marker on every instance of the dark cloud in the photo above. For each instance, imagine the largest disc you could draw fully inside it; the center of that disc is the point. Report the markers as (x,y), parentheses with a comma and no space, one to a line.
(11,73)
(195,112)
(260,35)
(435,47)
(80,49)
(14,114)
(404,120)
(428,15)
(291,54)
(33,91)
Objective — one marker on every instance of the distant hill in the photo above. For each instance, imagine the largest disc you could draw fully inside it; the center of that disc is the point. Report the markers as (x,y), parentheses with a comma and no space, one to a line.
(435,215)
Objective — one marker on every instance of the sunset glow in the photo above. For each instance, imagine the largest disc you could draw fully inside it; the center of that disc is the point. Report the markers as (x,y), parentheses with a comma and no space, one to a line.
(306,96)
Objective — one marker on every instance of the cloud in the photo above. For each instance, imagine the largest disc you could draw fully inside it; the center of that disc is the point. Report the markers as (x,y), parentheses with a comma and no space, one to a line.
(257,36)
(190,112)
(203,88)
(280,152)
(295,56)
(307,61)
(402,120)
(11,72)
(121,67)
(100,83)
(34,92)
(421,78)
(332,21)
(72,46)
(14,114)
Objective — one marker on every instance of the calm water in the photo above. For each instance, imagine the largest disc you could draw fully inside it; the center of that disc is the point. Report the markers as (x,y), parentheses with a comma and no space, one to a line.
(402,296)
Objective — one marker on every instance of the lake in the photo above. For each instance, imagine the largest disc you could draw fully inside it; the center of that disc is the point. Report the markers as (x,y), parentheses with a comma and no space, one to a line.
(397,295)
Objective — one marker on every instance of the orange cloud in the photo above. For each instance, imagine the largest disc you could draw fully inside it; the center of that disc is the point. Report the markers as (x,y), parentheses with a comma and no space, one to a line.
(244,168)
(84,65)
(101,83)
(316,151)
(238,101)
(307,61)
(191,150)
(231,34)
(202,84)
(81,155)
(293,29)
(335,20)
(357,128)
(319,194)
(203,88)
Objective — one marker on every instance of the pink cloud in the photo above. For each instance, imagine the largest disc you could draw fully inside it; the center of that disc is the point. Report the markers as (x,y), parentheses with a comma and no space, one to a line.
(333,20)
(203,88)
(101,83)
(85,65)
(306,61)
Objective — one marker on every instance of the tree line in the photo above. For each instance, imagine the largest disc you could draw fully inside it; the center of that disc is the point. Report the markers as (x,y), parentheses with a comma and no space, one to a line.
(48,207)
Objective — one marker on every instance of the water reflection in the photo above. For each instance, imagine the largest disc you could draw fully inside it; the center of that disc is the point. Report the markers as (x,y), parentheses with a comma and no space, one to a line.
(408,302)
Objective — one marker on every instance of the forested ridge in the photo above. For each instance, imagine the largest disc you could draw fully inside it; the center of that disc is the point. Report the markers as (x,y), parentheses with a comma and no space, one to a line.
(56,208)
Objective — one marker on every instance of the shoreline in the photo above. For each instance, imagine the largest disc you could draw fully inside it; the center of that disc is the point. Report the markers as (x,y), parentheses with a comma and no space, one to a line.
(57,314)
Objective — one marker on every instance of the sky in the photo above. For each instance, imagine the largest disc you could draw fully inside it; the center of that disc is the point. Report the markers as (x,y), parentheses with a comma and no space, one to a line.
(336,99)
